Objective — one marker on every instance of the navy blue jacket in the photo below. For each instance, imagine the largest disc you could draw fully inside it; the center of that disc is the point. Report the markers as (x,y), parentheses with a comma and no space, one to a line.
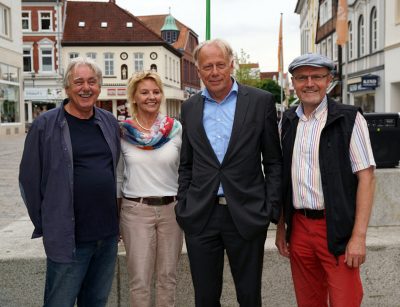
(46,178)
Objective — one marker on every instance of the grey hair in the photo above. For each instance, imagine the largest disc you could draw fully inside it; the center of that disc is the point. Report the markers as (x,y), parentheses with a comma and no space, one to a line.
(80,61)
(222,44)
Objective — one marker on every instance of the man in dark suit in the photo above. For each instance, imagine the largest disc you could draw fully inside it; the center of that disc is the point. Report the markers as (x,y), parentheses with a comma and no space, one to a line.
(229,178)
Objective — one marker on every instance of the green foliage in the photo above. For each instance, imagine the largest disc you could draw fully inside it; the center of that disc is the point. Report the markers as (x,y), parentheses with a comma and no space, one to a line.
(243,74)
(272,87)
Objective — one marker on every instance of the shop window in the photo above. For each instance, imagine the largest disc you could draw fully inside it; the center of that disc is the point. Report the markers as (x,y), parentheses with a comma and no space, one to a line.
(26,21)
(45,23)
(9,103)
(108,64)
(366,102)
(5,21)
(138,61)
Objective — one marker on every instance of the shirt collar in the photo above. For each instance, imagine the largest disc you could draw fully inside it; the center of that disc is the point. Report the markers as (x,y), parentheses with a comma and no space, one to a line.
(317,113)
(234,89)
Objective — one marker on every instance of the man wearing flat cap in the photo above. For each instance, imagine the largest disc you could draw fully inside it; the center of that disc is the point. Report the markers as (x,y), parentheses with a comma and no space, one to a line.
(328,187)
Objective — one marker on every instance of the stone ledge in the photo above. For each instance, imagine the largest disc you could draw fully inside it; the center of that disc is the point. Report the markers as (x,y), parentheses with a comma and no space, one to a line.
(22,271)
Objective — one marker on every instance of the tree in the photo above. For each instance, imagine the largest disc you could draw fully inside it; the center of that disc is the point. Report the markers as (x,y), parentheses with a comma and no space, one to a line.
(243,73)
(272,87)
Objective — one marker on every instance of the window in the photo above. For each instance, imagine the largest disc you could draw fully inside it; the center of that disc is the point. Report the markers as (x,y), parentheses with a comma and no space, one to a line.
(361,36)
(46,59)
(397,14)
(170,69)
(325,12)
(27,59)
(373,31)
(329,48)
(91,55)
(109,64)
(138,61)
(81,24)
(4,21)
(45,21)
(26,21)
(103,24)
(73,55)
(166,66)
(350,40)
(129,24)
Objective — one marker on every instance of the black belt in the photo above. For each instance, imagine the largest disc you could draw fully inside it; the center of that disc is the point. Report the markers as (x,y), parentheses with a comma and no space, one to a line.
(312,214)
(153,201)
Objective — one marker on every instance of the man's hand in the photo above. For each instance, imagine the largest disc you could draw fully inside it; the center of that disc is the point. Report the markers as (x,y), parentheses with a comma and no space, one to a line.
(355,253)
(280,239)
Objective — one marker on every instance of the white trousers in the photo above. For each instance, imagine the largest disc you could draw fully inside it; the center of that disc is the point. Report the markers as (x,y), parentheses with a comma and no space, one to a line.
(153,243)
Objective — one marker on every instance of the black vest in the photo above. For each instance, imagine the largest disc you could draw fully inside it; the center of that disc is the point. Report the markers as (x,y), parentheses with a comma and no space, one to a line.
(339,184)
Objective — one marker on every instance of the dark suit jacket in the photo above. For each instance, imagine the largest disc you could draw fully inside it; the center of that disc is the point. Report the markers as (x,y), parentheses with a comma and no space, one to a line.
(254,199)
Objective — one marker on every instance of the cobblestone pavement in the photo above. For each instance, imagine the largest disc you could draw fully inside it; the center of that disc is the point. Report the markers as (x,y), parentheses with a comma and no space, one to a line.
(11,205)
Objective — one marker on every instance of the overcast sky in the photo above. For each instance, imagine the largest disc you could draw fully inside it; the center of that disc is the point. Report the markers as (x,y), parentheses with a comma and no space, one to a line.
(251,25)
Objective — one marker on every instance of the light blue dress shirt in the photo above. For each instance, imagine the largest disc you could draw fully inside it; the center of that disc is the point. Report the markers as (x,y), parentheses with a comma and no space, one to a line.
(218,122)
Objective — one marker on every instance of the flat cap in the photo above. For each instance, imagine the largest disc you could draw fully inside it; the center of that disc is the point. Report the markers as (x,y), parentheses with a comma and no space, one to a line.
(311,59)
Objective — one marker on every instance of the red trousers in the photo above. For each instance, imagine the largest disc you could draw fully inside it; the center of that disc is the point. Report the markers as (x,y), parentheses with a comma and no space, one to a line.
(317,275)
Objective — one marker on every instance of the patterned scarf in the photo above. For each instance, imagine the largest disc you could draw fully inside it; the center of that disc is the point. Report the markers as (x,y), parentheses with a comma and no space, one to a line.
(163,130)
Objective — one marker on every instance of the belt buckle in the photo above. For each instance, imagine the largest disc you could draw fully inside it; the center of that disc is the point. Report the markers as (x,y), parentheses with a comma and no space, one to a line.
(222,201)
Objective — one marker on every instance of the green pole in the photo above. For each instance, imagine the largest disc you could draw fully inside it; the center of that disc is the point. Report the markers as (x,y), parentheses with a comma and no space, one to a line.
(208,32)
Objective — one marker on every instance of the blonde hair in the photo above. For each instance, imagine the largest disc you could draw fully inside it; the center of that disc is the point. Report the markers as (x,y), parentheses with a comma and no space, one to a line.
(220,43)
(134,82)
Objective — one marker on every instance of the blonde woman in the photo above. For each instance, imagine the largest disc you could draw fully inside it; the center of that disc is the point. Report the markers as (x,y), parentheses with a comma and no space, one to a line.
(148,183)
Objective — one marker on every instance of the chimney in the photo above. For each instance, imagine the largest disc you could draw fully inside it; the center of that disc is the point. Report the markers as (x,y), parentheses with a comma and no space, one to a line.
(112,1)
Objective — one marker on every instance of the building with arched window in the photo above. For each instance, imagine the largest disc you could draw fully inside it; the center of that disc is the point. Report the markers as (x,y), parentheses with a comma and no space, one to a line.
(392,53)
(364,63)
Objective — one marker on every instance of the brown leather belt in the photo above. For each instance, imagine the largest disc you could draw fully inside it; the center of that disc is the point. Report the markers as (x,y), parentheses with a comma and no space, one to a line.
(312,214)
(153,201)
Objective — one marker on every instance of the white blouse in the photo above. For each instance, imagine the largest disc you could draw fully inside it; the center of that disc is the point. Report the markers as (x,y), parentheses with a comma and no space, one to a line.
(145,173)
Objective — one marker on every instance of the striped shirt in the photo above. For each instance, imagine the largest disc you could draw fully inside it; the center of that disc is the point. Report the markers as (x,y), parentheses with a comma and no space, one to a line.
(306,175)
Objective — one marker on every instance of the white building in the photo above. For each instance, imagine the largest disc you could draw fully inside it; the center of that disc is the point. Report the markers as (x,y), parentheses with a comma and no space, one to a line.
(392,56)
(11,84)
(121,44)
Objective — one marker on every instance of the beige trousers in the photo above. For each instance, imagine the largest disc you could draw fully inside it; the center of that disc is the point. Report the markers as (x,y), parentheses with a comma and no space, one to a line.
(153,242)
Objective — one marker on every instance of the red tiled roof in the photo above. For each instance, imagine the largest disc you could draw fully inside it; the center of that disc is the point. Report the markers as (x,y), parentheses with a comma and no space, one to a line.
(116,32)
(155,22)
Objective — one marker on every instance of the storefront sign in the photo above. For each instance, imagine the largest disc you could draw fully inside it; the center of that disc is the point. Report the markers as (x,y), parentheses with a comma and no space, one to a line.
(116,91)
(111,92)
(370,81)
(42,94)
(357,87)
(121,91)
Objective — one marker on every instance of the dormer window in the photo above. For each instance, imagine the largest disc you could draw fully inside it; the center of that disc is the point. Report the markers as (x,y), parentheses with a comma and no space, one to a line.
(104,24)
(129,24)
(81,24)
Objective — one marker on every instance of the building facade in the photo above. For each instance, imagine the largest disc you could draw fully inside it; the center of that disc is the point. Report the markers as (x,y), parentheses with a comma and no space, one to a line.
(182,38)
(11,80)
(360,68)
(391,56)
(42,25)
(121,44)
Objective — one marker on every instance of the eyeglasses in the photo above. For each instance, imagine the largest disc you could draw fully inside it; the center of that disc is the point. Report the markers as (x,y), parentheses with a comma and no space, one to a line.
(304,78)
